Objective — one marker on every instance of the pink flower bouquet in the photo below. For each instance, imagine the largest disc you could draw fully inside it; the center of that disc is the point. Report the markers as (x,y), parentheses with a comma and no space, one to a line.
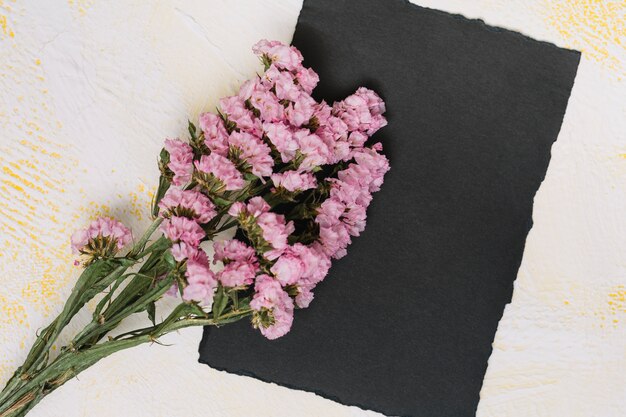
(291,176)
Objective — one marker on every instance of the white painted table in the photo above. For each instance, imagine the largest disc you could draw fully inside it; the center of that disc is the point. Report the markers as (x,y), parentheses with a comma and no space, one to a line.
(90,89)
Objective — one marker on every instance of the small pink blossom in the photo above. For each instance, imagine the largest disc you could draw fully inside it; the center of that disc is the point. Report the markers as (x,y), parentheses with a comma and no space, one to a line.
(362,111)
(238,273)
(182,229)
(188,203)
(307,79)
(322,112)
(330,212)
(286,88)
(269,295)
(275,232)
(373,100)
(181,161)
(201,281)
(305,296)
(316,263)
(235,109)
(283,140)
(375,163)
(232,250)
(315,150)
(252,150)
(249,87)
(257,206)
(222,169)
(215,134)
(283,56)
(236,209)
(268,105)
(102,227)
(288,269)
(334,239)
(294,181)
(301,110)
(182,250)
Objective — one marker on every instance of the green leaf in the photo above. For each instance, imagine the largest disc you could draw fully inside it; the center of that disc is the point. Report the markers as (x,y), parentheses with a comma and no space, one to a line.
(151,309)
(169,259)
(219,302)
(197,310)
(250,176)
(244,303)
(192,130)
(220,201)
(164,185)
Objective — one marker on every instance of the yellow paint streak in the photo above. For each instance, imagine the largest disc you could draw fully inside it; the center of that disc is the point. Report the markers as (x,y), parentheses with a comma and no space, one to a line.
(596,27)
(81,6)
(617,300)
(5,29)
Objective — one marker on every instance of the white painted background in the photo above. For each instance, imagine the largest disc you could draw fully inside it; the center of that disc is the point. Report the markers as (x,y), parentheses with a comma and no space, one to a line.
(89,89)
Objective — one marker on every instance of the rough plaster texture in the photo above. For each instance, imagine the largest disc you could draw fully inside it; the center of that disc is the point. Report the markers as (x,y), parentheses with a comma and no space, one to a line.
(89,90)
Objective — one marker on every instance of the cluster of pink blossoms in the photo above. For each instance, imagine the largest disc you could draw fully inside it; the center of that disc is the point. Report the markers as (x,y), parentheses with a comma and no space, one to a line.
(102,238)
(293,174)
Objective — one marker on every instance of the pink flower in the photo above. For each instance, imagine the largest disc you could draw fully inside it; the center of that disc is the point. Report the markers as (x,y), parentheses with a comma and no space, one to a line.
(257,206)
(253,151)
(354,219)
(236,209)
(373,100)
(188,203)
(283,319)
(357,139)
(182,229)
(268,105)
(275,232)
(182,250)
(377,165)
(307,79)
(235,109)
(285,87)
(362,111)
(334,239)
(273,228)
(288,268)
(282,138)
(215,134)
(201,281)
(238,273)
(222,169)
(301,110)
(181,161)
(315,150)
(305,296)
(283,56)
(102,228)
(270,296)
(353,188)
(316,263)
(80,239)
(322,112)
(233,250)
(330,212)
(304,266)
(294,181)
(249,87)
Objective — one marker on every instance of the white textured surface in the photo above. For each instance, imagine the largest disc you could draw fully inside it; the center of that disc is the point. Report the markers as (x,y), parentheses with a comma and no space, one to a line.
(90,89)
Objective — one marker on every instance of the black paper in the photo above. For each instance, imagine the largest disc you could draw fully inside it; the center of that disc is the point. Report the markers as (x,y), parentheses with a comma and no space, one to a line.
(404,323)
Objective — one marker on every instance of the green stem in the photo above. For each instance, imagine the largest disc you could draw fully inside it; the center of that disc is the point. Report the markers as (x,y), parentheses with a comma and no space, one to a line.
(71,363)
(94,279)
